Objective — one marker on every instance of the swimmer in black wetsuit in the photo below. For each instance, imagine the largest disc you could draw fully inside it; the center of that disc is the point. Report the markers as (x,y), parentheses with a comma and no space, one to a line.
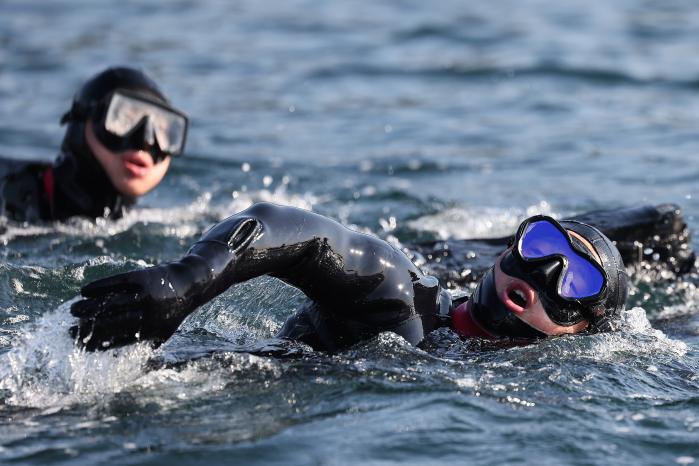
(556,278)
(121,133)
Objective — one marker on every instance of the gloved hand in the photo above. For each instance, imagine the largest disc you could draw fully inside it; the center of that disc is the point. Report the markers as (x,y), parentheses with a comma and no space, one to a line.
(150,304)
(146,304)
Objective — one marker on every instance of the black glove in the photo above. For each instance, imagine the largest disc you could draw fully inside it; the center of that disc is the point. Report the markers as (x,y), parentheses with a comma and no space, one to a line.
(150,304)
(147,304)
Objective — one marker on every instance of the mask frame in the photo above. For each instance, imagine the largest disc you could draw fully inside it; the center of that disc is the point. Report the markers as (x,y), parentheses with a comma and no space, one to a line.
(140,134)
(546,274)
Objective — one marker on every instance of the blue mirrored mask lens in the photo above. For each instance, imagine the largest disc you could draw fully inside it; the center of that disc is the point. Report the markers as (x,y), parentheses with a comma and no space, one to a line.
(581,279)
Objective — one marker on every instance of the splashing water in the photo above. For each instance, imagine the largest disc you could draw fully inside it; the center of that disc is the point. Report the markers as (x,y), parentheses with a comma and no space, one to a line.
(435,120)
(44,368)
(475,222)
(179,222)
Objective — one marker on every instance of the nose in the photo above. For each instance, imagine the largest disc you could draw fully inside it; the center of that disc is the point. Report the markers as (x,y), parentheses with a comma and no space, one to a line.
(548,271)
(148,132)
(149,136)
(144,134)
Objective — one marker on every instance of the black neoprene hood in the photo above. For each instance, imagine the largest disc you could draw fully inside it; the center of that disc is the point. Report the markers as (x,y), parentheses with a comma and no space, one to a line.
(607,311)
(109,80)
(82,186)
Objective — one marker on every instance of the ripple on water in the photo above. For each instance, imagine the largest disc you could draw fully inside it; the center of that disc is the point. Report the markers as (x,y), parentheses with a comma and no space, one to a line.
(451,119)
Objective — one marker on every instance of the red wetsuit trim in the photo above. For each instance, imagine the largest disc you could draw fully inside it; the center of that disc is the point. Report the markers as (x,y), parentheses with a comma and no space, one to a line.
(49,185)
(463,323)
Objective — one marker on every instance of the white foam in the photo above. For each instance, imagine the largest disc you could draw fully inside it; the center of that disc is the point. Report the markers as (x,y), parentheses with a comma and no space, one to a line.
(477,222)
(44,368)
(181,220)
(636,340)
(687,290)
(637,336)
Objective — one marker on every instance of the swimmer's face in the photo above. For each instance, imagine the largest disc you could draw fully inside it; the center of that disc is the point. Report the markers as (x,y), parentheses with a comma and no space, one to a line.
(132,172)
(523,301)
(552,282)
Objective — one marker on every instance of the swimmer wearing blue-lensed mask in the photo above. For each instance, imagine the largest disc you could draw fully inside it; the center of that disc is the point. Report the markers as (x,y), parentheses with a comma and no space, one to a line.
(555,278)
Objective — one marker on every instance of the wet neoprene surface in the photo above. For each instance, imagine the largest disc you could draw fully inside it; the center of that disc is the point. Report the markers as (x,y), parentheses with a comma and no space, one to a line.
(457,119)
(359,285)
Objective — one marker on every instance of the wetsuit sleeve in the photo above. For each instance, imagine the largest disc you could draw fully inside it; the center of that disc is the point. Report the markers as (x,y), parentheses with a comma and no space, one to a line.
(356,279)
(333,265)
(21,191)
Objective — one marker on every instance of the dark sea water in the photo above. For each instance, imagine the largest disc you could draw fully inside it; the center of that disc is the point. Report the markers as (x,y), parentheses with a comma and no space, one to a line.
(410,119)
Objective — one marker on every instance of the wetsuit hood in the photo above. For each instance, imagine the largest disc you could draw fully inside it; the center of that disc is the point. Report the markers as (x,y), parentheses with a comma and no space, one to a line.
(492,314)
(605,313)
(83,189)
(81,185)
(601,311)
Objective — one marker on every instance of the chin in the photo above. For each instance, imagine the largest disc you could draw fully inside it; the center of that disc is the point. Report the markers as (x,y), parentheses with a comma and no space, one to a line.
(131,190)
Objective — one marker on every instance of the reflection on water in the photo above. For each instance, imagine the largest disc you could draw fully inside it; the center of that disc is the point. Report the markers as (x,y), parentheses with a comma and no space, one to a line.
(411,120)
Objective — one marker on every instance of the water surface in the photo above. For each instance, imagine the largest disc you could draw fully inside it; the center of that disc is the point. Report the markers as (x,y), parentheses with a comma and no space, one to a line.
(412,120)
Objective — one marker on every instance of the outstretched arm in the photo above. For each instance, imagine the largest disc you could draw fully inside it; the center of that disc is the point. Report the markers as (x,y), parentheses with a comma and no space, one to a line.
(328,262)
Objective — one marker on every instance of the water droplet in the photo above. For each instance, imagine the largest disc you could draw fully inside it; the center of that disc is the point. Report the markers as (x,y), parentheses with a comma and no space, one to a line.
(17,285)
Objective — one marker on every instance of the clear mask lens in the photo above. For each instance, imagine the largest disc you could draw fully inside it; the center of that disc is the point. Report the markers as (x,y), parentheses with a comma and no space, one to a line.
(126,113)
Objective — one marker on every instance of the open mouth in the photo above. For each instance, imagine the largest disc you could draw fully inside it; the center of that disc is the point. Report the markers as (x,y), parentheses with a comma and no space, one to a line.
(517,296)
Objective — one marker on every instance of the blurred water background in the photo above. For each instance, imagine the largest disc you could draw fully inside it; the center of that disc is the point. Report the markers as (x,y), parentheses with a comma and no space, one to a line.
(413,120)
